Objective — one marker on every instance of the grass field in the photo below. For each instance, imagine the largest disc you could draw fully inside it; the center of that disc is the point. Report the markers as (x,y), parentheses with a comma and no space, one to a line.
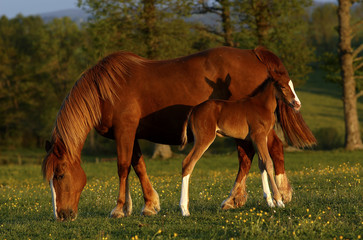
(327,199)
(327,202)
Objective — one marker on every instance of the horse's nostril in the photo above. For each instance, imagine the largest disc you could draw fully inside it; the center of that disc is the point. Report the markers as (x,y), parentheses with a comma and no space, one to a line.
(66,215)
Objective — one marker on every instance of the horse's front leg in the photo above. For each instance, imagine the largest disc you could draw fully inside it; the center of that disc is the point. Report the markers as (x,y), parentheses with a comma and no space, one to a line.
(238,194)
(276,151)
(125,143)
(267,171)
(151,197)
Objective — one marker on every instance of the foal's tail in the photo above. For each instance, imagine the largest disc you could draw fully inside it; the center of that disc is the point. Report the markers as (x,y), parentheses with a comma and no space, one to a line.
(293,125)
(184,136)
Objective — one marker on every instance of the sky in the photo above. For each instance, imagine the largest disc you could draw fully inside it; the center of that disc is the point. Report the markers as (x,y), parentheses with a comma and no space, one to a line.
(11,8)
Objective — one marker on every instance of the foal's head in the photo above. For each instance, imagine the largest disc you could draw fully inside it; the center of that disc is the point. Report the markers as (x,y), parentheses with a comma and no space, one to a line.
(66,179)
(286,92)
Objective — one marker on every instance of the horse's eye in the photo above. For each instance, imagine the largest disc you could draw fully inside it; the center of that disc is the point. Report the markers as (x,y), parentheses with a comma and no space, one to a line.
(59,177)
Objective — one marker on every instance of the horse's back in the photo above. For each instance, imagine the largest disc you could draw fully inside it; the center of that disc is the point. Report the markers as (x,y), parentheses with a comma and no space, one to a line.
(164,91)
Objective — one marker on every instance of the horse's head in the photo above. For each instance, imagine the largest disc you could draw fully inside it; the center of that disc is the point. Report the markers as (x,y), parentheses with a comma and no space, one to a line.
(66,179)
(286,92)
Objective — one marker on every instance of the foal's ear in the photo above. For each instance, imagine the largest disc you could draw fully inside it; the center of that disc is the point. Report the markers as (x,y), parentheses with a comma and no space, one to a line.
(228,79)
(48,146)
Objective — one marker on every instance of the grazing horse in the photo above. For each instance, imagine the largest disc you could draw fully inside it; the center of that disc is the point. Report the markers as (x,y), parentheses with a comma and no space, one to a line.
(126,97)
(248,118)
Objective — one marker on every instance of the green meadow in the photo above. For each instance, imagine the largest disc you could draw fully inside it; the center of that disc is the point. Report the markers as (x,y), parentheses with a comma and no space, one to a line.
(326,204)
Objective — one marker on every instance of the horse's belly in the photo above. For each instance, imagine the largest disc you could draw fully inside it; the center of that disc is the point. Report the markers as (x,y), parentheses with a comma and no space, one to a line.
(164,126)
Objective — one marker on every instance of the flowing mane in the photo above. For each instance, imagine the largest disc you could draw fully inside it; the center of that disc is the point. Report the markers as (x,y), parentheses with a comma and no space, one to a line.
(81,110)
(293,125)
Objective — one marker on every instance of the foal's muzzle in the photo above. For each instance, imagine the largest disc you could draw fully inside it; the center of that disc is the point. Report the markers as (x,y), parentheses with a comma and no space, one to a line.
(295,105)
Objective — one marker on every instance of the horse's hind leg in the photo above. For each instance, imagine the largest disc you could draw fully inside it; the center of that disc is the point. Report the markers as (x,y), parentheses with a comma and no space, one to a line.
(151,197)
(276,151)
(266,168)
(238,194)
(200,146)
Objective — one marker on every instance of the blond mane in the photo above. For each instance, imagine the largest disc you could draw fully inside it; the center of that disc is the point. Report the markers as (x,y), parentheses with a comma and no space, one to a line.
(80,110)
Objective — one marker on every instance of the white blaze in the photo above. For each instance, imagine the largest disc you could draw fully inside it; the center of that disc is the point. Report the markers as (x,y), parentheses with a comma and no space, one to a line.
(54,198)
(293,91)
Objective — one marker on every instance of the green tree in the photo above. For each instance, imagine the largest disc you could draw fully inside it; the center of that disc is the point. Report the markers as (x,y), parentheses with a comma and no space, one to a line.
(282,27)
(322,28)
(38,67)
(21,73)
(224,10)
(149,28)
(347,57)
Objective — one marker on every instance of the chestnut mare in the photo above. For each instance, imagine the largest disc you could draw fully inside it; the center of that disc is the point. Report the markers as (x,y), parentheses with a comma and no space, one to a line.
(249,118)
(126,98)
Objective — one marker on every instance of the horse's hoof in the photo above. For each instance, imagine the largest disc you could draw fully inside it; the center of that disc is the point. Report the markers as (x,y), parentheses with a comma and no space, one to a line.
(226,204)
(115,213)
(235,202)
(149,211)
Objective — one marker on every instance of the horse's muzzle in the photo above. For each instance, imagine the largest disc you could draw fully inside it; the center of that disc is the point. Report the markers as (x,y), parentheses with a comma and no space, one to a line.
(67,215)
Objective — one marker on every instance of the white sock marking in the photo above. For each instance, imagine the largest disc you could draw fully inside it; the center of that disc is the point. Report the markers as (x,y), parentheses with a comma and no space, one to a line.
(279,179)
(54,198)
(266,189)
(184,198)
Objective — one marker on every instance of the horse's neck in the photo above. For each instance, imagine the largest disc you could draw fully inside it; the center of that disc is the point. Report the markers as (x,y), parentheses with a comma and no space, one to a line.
(267,97)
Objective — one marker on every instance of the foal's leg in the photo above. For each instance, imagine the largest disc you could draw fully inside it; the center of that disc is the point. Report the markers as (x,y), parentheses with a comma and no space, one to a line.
(200,146)
(266,168)
(276,151)
(238,194)
(151,197)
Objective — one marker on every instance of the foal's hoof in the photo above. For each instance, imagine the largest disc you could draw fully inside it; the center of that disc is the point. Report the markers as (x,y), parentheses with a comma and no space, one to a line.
(280,204)
(270,202)
(185,211)
(284,187)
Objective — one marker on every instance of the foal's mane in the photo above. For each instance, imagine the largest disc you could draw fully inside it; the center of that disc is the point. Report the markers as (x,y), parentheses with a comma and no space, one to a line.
(81,108)
(262,87)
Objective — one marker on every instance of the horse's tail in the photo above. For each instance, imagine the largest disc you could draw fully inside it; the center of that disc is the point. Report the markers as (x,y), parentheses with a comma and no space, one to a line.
(293,125)
(184,136)
(295,130)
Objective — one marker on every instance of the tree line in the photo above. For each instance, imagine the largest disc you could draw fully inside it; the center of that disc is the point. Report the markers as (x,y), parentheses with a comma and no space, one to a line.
(40,61)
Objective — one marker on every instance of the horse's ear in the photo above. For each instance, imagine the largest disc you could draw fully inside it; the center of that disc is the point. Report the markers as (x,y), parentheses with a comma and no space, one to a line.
(48,146)
(210,83)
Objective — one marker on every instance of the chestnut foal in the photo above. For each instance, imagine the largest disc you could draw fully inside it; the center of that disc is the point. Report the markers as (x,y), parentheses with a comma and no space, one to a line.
(248,118)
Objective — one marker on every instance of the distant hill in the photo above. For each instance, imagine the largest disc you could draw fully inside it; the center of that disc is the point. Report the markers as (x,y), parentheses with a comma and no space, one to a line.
(76,14)
(79,16)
